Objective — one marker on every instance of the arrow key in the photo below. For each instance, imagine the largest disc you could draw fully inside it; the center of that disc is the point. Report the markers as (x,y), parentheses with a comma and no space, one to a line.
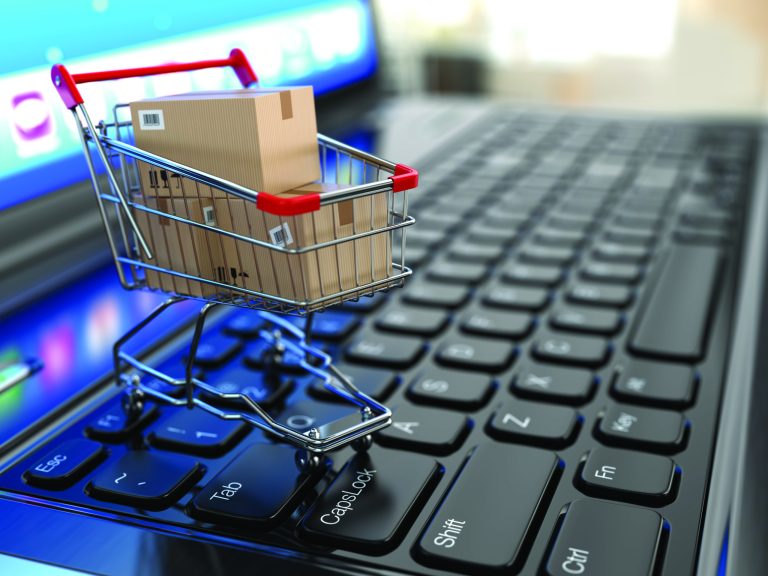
(197,432)
(533,423)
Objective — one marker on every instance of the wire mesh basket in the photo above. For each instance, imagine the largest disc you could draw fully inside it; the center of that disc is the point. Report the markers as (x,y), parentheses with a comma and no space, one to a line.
(190,234)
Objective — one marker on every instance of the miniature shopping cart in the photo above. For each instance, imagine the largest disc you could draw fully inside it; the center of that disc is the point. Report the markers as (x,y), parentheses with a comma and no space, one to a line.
(142,231)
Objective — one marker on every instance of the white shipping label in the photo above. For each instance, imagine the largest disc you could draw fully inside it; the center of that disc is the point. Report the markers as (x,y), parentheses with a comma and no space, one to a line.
(281,235)
(209,215)
(151,120)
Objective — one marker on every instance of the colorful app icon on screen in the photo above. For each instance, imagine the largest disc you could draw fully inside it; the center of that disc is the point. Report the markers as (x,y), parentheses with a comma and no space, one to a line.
(32,124)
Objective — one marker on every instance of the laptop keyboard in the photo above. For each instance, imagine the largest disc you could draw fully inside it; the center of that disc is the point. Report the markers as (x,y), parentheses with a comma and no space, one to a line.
(554,367)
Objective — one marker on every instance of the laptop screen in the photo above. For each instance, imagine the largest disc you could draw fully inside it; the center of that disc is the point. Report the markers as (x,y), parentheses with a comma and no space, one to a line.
(326,43)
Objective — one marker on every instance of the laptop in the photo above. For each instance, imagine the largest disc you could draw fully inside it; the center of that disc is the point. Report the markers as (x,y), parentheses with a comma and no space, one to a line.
(573,369)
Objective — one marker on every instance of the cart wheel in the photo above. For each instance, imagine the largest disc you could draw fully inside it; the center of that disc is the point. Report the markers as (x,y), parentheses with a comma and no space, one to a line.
(306,460)
(272,359)
(133,403)
(363,443)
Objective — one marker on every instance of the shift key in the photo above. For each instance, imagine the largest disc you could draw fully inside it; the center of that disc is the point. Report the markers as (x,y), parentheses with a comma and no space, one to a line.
(487,518)
(372,500)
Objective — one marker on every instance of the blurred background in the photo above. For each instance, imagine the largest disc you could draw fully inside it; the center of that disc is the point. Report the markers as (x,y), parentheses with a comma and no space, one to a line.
(700,56)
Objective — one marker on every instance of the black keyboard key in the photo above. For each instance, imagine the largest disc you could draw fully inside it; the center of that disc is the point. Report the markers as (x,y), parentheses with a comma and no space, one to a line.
(259,353)
(216,349)
(599,538)
(418,236)
(630,236)
(629,476)
(516,297)
(163,387)
(114,426)
(436,295)
(440,222)
(673,321)
(257,489)
(457,272)
(640,221)
(377,349)
(555,255)
(706,219)
(425,430)
(504,221)
(496,323)
(489,515)
(571,349)
(533,423)
(469,252)
(548,276)
(655,384)
(238,379)
(329,417)
(245,324)
(367,304)
(415,256)
(145,479)
(370,503)
(557,237)
(479,234)
(611,272)
(378,384)
(585,319)
(611,252)
(565,221)
(554,384)
(645,428)
(333,325)
(451,389)
(66,464)
(411,320)
(476,354)
(695,237)
(197,432)
(646,206)
(600,295)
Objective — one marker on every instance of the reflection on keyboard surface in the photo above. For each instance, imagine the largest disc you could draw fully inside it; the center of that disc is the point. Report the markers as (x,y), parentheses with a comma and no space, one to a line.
(554,368)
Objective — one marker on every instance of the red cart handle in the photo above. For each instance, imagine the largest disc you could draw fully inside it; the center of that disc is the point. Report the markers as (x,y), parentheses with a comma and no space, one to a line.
(66,83)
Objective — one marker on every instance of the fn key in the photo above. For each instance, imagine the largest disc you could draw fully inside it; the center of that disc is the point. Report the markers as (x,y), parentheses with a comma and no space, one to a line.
(604,539)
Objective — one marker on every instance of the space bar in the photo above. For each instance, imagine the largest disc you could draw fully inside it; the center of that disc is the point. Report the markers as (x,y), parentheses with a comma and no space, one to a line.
(673,322)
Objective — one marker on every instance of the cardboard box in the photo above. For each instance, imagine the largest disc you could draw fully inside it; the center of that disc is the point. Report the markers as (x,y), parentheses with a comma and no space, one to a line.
(182,247)
(263,139)
(318,273)
(241,264)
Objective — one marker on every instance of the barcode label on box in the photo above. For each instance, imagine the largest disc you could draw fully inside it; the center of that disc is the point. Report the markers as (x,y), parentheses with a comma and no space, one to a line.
(281,235)
(151,120)
(209,215)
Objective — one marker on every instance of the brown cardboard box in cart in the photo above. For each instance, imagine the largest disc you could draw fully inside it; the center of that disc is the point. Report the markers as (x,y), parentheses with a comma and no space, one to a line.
(314,274)
(263,139)
(242,264)
(182,247)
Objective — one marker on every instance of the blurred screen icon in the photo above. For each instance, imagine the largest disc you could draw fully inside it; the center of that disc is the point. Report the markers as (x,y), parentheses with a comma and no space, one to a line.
(32,124)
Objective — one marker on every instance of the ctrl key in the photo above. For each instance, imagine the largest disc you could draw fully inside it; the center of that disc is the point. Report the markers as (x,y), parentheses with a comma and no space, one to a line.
(66,464)
(598,538)
(371,501)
